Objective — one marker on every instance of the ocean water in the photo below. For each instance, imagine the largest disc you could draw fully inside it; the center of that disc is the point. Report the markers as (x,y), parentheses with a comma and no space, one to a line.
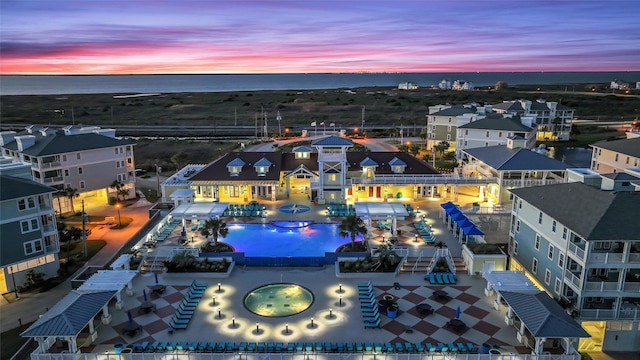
(112,84)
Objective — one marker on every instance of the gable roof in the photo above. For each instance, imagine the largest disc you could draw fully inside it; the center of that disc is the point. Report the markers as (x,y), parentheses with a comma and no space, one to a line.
(302,148)
(500,157)
(629,147)
(497,123)
(332,141)
(70,315)
(413,164)
(543,316)
(12,187)
(236,162)
(397,162)
(454,111)
(368,162)
(263,162)
(61,144)
(591,213)
(218,171)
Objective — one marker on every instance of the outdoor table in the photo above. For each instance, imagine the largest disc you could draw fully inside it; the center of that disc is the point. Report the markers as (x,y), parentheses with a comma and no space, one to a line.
(146,307)
(424,309)
(441,294)
(457,324)
(131,329)
(158,288)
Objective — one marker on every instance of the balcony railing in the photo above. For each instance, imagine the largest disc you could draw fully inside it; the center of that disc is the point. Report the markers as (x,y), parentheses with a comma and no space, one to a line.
(46,165)
(634,257)
(605,258)
(530,182)
(400,179)
(608,314)
(631,287)
(576,250)
(48,228)
(53,180)
(572,278)
(601,286)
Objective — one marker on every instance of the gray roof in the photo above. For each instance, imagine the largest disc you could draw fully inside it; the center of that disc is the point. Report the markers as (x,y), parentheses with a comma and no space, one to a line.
(629,147)
(263,162)
(497,123)
(397,162)
(13,188)
(454,111)
(368,162)
(332,141)
(508,105)
(61,144)
(69,316)
(620,176)
(236,162)
(543,316)
(592,213)
(500,157)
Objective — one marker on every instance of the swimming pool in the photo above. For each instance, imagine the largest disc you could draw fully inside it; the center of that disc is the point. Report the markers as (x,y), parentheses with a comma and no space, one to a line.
(265,240)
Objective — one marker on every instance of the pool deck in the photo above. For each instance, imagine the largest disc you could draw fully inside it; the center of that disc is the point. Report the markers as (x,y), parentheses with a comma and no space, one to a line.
(345,325)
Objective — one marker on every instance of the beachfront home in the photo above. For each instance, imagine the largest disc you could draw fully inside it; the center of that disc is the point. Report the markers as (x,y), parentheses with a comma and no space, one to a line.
(29,239)
(617,155)
(325,172)
(510,166)
(495,129)
(582,244)
(87,159)
(554,120)
(443,120)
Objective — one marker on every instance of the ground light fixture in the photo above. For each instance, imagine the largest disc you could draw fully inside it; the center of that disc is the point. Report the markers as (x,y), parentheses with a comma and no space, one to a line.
(340,300)
(312,322)
(416,239)
(258,327)
(330,313)
(219,289)
(233,322)
(339,288)
(214,300)
(286,328)
(219,314)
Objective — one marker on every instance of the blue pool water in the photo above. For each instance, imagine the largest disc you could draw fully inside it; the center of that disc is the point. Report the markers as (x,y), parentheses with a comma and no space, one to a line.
(265,240)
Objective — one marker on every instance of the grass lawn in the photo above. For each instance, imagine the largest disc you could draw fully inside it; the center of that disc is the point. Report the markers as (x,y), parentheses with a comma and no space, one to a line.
(75,252)
(150,194)
(12,341)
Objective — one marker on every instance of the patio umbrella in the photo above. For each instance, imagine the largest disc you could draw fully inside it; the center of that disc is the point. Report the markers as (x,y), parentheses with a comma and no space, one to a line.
(184,231)
(144,293)
(156,275)
(458,312)
(129,316)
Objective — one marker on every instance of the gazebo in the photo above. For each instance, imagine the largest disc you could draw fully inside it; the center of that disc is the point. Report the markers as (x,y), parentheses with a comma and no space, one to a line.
(199,211)
(507,280)
(391,211)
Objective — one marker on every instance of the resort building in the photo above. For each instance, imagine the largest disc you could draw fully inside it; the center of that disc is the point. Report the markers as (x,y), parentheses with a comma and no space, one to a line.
(443,120)
(581,243)
(87,159)
(510,166)
(494,130)
(554,120)
(29,239)
(615,156)
(325,172)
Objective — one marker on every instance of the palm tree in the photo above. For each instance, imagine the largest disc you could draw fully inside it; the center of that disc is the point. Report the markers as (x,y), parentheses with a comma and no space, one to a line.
(352,226)
(61,193)
(214,227)
(71,194)
(119,188)
(387,258)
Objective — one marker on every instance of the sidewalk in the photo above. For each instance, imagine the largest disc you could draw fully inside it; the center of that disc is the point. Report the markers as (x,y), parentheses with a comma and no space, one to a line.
(30,306)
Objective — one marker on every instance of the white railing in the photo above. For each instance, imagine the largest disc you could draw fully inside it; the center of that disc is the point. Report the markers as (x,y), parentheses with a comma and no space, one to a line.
(48,228)
(607,314)
(46,165)
(601,285)
(421,179)
(605,258)
(631,287)
(415,265)
(634,257)
(54,179)
(181,355)
(530,182)
(576,250)
(573,279)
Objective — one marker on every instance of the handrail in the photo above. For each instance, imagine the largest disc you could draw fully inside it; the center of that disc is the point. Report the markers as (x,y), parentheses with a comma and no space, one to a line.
(415,265)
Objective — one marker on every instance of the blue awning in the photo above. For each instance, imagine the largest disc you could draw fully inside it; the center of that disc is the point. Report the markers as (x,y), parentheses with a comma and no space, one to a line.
(459,218)
(447,205)
(472,230)
(465,223)
(453,211)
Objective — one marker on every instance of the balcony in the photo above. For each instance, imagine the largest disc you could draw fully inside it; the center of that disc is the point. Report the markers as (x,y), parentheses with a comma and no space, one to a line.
(530,182)
(576,250)
(401,179)
(53,180)
(573,279)
(631,287)
(47,228)
(601,286)
(605,258)
(608,314)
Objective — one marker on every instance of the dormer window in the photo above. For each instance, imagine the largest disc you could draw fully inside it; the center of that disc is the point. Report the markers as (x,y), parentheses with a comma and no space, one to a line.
(262,166)
(368,166)
(302,152)
(235,166)
(397,166)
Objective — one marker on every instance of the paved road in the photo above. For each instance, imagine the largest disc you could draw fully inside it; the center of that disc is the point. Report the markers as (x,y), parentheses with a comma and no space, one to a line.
(371,144)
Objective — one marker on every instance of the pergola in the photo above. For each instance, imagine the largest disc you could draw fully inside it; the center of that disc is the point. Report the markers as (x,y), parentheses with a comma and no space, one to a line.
(507,280)
(369,211)
(200,210)
(460,224)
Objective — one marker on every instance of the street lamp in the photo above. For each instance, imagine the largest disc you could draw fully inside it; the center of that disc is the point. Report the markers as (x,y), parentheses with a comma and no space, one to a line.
(416,239)
(13,279)
(119,222)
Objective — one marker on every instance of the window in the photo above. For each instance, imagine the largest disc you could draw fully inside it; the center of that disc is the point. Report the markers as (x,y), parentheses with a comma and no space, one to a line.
(627,160)
(500,134)
(66,172)
(448,137)
(64,157)
(514,246)
(561,260)
(81,184)
(31,247)
(553,226)
(29,225)
(515,204)
(79,171)
(332,177)
(557,286)
(547,276)
(28,203)
(537,242)
(466,132)
(520,205)
(465,143)
(518,226)
(78,156)
(616,159)
(564,233)
(540,217)
(534,266)
(449,128)
(116,149)
(487,135)
(449,119)
(550,254)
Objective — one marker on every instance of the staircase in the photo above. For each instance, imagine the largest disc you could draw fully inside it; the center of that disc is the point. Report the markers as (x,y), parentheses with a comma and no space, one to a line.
(153,264)
(415,264)
(459,265)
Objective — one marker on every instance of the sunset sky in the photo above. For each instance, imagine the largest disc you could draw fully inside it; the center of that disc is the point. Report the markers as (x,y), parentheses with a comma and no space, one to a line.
(273,36)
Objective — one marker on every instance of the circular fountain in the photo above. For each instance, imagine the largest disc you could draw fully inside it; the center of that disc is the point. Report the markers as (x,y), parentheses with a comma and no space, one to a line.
(278,300)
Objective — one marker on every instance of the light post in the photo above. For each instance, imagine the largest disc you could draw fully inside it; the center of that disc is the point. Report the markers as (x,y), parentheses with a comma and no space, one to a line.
(219,290)
(233,322)
(219,314)
(339,288)
(13,279)
(119,222)
(330,313)
(214,300)
(312,322)
(340,301)
(258,328)
(416,239)
(286,328)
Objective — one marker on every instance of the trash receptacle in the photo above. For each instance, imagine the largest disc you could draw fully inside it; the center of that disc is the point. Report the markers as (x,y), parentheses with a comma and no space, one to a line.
(398,232)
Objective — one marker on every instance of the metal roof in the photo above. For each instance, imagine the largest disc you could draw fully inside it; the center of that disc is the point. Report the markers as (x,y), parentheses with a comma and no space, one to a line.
(500,157)
(70,315)
(497,123)
(543,316)
(377,210)
(263,162)
(368,162)
(236,162)
(629,147)
(61,144)
(12,187)
(332,141)
(454,111)
(302,148)
(397,162)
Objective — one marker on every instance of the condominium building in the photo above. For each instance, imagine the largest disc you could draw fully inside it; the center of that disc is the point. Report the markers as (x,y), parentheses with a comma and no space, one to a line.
(88,159)
(581,243)
(29,240)
(616,155)
(495,129)
(554,120)
(443,120)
